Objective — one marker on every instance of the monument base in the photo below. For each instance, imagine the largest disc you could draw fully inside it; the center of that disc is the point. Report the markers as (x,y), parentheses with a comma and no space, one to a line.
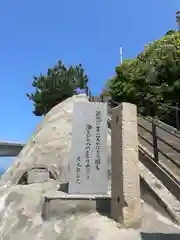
(61,205)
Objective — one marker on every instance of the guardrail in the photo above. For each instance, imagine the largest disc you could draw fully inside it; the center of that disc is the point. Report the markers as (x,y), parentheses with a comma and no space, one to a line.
(172,117)
(158,139)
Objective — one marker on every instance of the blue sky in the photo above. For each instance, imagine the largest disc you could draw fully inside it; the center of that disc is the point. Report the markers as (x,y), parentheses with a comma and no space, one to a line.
(35,34)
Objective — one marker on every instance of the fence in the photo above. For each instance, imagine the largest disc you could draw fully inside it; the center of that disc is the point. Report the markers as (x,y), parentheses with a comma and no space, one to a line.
(172,117)
(158,139)
(168,114)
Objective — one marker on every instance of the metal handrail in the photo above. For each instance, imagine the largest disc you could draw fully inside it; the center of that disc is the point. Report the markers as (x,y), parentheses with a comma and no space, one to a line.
(155,138)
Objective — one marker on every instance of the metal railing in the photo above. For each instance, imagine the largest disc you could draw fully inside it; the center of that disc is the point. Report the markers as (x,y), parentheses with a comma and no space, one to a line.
(172,117)
(156,140)
(158,136)
(169,114)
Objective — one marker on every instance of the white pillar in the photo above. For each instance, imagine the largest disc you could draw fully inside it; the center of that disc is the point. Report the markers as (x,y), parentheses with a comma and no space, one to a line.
(125,203)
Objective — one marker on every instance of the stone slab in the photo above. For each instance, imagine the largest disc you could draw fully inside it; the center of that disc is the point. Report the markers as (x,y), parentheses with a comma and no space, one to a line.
(89,155)
(59,205)
(38,175)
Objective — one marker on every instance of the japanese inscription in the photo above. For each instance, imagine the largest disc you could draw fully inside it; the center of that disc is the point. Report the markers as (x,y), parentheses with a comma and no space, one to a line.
(88,172)
(88,150)
(98,125)
(78,170)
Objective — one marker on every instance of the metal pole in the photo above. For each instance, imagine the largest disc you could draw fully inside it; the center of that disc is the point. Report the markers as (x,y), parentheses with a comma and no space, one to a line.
(121,55)
(155,144)
(177,118)
(87,90)
(89,95)
(101,98)
(178,20)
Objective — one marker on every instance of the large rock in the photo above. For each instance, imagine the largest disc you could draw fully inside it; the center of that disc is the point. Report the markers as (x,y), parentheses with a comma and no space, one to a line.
(21,218)
(21,206)
(49,145)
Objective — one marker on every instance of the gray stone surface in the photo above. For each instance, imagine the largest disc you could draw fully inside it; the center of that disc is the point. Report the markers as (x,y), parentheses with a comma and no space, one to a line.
(58,204)
(49,145)
(89,154)
(125,205)
(37,175)
(21,217)
(21,205)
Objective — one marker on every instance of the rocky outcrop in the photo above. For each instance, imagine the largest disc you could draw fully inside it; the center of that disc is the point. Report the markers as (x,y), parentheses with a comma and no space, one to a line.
(20,217)
(21,205)
(49,146)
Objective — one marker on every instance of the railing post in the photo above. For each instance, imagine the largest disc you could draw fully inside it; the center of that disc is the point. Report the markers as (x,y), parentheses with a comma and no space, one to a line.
(87,91)
(89,95)
(177,118)
(155,144)
(101,98)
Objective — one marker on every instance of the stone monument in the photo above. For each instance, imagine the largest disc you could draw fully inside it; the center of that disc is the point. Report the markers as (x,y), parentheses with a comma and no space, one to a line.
(89,154)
